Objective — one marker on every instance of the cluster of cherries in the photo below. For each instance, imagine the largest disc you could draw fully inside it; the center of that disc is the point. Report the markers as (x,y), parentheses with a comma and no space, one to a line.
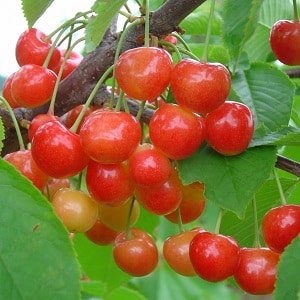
(124,169)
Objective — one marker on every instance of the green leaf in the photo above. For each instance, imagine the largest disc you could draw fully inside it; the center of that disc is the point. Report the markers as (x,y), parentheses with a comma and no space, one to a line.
(34,9)
(2,134)
(288,279)
(227,179)
(124,293)
(268,92)
(105,11)
(37,260)
(240,19)
(92,288)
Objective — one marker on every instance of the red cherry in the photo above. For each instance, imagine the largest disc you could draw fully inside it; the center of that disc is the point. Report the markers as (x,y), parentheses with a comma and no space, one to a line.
(280,225)
(256,270)
(198,86)
(192,204)
(143,73)
(38,121)
(72,115)
(109,183)
(100,234)
(176,252)
(285,41)
(57,150)
(136,255)
(33,85)
(22,160)
(214,256)
(7,93)
(176,131)
(161,199)
(110,136)
(33,47)
(148,166)
(229,128)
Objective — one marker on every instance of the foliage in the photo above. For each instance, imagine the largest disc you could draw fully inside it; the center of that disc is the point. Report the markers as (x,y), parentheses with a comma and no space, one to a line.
(34,240)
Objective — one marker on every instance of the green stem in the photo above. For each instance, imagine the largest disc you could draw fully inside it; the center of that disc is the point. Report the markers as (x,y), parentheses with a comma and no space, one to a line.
(172,47)
(147,22)
(141,109)
(90,99)
(80,176)
(15,122)
(128,232)
(279,186)
(296,17)
(209,26)
(219,220)
(179,219)
(255,222)
(181,39)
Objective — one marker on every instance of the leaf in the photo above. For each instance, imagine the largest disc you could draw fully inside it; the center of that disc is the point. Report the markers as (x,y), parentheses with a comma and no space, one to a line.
(34,9)
(2,134)
(268,92)
(37,260)
(105,11)
(230,182)
(124,293)
(238,27)
(92,288)
(288,279)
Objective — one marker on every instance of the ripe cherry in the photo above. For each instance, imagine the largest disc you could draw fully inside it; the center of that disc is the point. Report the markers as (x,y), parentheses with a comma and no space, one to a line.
(36,91)
(116,217)
(280,225)
(229,128)
(161,199)
(100,234)
(285,41)
(176,131)
(192,204)
(109,183)
(33,47)
(176,251)
(7,93)
(58,151)
(109,136)
(198,86)
(143,73)
(77,210)
(256,270)
(137,254)
(148,166)
(214,256)
(22,160)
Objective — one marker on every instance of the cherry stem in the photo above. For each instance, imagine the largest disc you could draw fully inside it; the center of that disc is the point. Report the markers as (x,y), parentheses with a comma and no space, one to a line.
(80,177)
(128,232)
(147,21)
(15,122)
(179,220)
(208,33)
(181,39)
(141,109)
(89,100)
(296,17)
(52,102)
(219,220)
(255,222)
(172,47)
(279,186)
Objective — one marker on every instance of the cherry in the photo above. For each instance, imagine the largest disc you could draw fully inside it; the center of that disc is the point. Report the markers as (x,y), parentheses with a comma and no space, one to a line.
(22,160)
(109,136)
(116,217)
(53,185)
(285,41)
(72,115)
(137,254)
(100,234)
(214,256)
(143,73)
(161,199)
(176,251)
(148,166)
(192,204)
(176,131)
(201,87)
(280,225)
(77,210)
(58,151)
(7,93)
(33,47)
(256,270)
(36,91)
(38,121)
(109,183)
(229,128)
